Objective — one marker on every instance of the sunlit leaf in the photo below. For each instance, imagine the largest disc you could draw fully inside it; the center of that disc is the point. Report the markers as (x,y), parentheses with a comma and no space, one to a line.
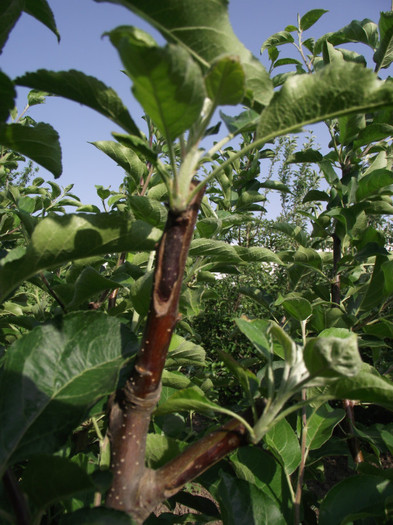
(59,239)
(284,444)
(310,18)
(124,157)
(338,89)
(383,56)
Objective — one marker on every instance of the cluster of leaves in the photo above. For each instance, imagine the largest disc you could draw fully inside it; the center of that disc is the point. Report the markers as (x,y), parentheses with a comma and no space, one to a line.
(76,286)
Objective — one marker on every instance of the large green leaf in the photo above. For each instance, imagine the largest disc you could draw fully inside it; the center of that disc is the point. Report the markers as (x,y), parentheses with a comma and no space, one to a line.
(320,425)
(84,89)
(242,502)
(383,56)
(295,305)
(43,13)
(367,386)
(284,444)
(203,28)
(59,239)
(182,352)
(338,89)
(256,466)
(89,283)
(40,143)
(255,330)
(333,354)
(219,251)
(166,81)
(53,375)
(225,82)
(356,495)
(10,12)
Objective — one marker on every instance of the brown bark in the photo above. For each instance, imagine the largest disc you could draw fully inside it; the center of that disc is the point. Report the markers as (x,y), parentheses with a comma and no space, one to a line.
(131,410)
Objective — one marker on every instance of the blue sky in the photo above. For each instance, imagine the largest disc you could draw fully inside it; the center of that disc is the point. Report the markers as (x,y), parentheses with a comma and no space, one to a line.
(82,22)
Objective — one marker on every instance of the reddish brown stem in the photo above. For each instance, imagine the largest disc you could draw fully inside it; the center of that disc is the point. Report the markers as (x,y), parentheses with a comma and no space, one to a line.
(131,411)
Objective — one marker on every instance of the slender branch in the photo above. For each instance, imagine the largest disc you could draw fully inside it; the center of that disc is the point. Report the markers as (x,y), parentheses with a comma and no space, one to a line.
(302,466)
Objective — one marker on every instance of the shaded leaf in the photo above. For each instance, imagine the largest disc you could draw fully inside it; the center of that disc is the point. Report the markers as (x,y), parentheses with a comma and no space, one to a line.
(40,143)
(255,330)
(84,89)
(307,155)
(90,283)
(204,30)
(188,399)
(357,494)
(242,502)
(7,96)
(373,183)
(166,81)
(364,31)
(10,12)
(43,13)
(53,375)
(225,81)
(59,239)
(295,305)
(246,121)
(182,352)
(59,477)
(148,210)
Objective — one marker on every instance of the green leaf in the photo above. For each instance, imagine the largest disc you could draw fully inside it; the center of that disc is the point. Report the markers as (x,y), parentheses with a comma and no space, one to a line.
(160,449)
(148,210)
(338,89)
(242,502)
(284,444)
(320,425)
(275,185)
(59,478)
(307,155)
(53,375)
(204,30)
(182,352)
(278,39)
(43,13)
(383,55)
(246,378)
(90,283)
(373,133)
(364,31)
(255,330)
(374,183)
(10,12)
(124,157)
(258,254)
(7,96)
(40,143)
(285,341)
(219,251)
(140,146)
(246,121)
(59,239)
(358,494)
(286,62)
(316,195)
(189,399)
(333,354)
(225,81)
(256,466)
(97,516)
(84,89)
(295,305)
(293,231)
(310,18)
(166,81)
